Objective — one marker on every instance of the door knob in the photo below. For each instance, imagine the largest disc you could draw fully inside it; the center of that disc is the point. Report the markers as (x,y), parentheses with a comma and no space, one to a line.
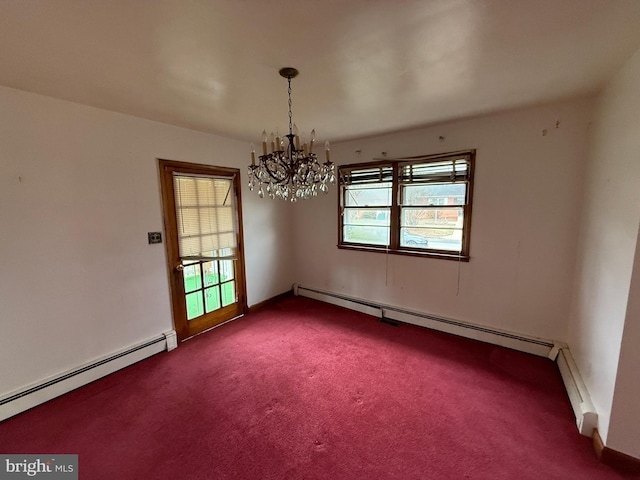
(179,267)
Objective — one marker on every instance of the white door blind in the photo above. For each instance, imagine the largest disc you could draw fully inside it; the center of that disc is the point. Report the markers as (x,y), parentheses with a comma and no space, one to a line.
(205,217)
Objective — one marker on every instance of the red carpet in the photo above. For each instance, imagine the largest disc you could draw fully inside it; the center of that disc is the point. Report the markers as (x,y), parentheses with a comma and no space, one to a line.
(305,390)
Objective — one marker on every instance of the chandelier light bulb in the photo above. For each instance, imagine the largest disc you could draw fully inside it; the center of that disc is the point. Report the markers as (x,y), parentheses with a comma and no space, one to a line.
(296,134)
(311,140)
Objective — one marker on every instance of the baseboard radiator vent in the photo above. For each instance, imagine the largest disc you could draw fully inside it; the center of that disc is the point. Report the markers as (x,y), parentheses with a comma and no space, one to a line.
(583,408)
(52,387)
(533,345)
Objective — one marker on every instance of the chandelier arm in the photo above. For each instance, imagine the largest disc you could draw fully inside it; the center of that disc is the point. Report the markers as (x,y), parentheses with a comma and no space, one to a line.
(280,174)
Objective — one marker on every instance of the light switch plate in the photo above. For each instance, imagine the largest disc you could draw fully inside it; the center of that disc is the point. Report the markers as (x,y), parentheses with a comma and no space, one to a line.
(154,237)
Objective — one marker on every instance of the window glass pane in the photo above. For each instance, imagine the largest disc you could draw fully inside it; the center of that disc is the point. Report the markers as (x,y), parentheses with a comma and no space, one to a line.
(194,305)
(432,238)
(366,234)
(367,216)
(414,238)
(375,194)
(432,217)
(438,228)
(228,293)
(212,298)
(210,273)
(192,280)
(435,194)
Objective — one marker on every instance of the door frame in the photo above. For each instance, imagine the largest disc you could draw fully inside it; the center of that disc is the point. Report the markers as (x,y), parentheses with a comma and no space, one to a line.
(176,280)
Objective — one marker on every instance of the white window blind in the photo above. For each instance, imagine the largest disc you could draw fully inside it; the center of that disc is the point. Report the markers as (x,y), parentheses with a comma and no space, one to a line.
(443,171)
(365,175)
(205,217)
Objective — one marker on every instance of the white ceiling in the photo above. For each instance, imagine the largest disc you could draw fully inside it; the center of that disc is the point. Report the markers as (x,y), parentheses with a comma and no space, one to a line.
(366,66)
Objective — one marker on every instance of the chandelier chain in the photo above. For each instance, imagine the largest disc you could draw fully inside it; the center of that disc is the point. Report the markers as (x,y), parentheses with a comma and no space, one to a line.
(290,114)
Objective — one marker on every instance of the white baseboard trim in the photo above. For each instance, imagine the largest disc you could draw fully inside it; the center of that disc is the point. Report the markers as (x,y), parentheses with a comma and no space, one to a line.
(583,409)
(28,397)
(523,343)
(340,300)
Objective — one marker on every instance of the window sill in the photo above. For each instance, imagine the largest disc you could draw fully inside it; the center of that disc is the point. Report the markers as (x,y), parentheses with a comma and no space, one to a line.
(441,254)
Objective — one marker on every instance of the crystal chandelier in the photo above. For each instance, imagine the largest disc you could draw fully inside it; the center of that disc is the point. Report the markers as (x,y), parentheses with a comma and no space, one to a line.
(290,172)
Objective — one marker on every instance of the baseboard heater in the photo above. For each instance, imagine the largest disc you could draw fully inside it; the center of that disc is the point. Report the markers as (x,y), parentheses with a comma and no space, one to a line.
(583,408)
(585,413)
(52,387)
(536,346)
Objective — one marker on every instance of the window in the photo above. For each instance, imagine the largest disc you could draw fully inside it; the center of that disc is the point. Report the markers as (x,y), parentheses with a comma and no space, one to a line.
(412,206)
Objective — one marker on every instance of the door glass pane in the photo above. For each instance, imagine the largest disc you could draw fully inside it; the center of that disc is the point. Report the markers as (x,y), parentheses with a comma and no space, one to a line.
(192,280)
(212,298)
(228,293)
(204,214)
(194,305)
(226,270)
(210,273)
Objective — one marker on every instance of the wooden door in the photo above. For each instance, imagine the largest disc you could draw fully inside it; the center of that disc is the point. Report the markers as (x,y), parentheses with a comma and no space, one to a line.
(203,230)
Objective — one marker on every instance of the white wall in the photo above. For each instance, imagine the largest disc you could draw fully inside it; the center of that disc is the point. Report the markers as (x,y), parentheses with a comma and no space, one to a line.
(526,208)
(623,432)
(79,191)
(608,245)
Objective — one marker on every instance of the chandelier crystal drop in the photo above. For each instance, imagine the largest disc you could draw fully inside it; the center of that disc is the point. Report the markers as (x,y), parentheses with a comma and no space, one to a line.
(290,172)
